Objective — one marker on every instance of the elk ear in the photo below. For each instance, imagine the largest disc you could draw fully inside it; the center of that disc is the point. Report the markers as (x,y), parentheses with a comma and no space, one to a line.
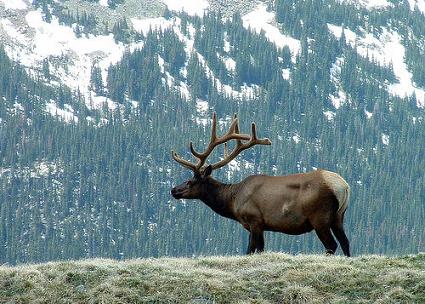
(207,172)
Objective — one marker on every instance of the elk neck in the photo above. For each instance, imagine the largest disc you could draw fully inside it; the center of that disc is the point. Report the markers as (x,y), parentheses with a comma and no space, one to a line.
(219,197)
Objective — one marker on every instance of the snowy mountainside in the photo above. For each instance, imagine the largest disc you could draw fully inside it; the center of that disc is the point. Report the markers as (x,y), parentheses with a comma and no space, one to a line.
(32,40)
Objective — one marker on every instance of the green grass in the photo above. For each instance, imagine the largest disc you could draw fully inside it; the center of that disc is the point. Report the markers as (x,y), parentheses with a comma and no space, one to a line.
(265,278)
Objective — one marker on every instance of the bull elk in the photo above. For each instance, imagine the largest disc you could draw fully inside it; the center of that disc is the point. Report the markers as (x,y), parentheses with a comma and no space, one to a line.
(292,204)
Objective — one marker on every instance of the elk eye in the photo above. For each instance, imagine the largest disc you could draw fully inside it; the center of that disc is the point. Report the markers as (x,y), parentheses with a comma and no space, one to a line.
(189,183)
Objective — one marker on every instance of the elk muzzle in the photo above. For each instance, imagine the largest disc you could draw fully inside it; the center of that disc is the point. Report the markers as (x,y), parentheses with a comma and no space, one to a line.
(179,191)
(176,193)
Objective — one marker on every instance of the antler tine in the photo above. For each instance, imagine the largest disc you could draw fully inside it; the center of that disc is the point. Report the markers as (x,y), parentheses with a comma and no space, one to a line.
(214,127)
(196,154)
(232,128)
(202,157)
(253,131)
(183,162)
(212,140)
(235,116)
(231,134)
(225,150)
(238,141)
(253,140)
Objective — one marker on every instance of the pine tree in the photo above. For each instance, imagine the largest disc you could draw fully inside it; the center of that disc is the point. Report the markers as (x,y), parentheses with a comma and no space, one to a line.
(96,81)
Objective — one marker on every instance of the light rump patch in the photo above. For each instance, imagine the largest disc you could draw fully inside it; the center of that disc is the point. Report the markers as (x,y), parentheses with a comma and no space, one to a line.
(339,186)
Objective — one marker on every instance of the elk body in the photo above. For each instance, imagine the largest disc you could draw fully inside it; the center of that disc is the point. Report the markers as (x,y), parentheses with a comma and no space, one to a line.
(292,204)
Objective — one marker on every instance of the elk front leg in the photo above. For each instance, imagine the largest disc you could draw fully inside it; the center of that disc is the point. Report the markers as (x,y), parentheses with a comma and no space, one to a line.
(256,241)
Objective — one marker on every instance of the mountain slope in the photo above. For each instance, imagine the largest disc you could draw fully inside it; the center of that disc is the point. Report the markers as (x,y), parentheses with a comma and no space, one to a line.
(31,36)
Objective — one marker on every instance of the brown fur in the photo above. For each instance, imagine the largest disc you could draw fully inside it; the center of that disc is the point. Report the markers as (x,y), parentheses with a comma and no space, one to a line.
(292,204)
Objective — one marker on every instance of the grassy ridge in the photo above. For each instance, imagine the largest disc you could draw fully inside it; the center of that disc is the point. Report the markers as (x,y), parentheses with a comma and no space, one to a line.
(266,278)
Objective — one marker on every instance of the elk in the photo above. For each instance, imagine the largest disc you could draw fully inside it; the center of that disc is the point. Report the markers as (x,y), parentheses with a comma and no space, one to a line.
(292,204)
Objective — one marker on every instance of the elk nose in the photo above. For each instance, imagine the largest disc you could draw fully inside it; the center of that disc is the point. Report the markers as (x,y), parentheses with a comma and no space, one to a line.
(173,191)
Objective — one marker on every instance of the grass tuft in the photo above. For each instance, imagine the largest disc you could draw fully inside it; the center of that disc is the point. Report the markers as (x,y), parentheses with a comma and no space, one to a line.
(265,278)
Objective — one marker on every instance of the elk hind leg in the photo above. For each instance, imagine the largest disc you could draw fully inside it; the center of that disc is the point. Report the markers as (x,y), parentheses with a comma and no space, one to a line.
(325,236)
(338,230)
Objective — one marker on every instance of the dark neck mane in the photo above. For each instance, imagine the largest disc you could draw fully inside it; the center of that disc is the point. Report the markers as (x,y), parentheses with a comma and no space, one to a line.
(219,197)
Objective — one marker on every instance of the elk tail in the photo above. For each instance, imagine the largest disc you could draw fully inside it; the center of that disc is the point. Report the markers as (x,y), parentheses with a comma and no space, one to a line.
(343,201)
(341,190)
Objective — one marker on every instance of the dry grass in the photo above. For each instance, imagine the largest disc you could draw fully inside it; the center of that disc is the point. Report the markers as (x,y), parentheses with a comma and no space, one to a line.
(265,278)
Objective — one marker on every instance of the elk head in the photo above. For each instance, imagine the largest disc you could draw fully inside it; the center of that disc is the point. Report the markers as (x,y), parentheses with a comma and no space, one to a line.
(194,187)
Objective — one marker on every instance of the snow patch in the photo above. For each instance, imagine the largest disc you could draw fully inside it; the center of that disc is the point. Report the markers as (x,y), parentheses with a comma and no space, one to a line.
(335,71)
(339,99)
(50,38)
(202,121)
(18,108)
(145,25)
(246,92)
(46,40)
(233,167)
(12,32)
(385,50)
(14,4)
(191,7)
(226,46)
(286,74)
(44,168)
(202,107)
(184,90)
(161,63)
(329,115)
(230,64)
(262,20)
(336,30)
(98,102)
(65,115)
(335,76)
(369,4)
(188,46)
(420,4)
(296,138)
(385,139)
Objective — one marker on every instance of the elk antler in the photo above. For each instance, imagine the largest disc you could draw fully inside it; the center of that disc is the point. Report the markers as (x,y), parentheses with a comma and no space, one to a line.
(233,133)
(253,140)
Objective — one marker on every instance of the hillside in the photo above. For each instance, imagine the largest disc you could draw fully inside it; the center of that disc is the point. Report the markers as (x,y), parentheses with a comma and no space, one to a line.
(95,94)
(266,278)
